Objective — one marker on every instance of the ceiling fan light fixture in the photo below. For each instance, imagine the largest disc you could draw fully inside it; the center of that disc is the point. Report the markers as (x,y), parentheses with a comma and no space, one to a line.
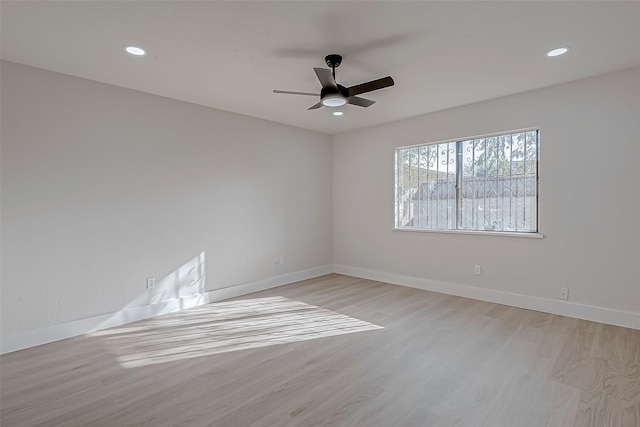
(333,101)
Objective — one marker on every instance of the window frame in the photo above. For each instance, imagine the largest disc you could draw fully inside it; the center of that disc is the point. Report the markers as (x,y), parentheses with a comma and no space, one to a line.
(457,141)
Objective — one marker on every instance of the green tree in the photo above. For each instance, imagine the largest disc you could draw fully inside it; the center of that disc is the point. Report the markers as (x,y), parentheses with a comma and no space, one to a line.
(504,155)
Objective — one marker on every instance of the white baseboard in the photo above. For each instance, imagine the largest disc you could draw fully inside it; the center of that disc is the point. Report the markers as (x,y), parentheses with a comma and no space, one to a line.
(268,283)
(21,340)
(565,308)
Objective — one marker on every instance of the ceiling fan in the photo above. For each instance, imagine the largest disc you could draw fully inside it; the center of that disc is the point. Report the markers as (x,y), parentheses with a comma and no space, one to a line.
(335,95)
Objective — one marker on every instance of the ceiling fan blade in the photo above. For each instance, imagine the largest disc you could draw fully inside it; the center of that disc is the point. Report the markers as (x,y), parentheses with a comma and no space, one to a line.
(288,92)
(360,102)
(315,106)
(326,77)
(370,86)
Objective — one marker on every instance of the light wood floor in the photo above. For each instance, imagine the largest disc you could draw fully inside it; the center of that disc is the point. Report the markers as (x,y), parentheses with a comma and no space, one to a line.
(333,351)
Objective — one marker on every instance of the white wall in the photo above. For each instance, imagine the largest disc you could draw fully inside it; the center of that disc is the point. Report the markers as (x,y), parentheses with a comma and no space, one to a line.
(589,204)
(104,186)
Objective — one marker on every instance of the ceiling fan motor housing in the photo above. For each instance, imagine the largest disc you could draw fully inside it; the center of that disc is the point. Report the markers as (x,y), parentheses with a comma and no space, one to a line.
(334,96)
(339,90)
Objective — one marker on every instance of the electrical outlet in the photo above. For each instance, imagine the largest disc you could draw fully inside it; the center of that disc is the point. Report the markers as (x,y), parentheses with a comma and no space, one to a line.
(564,293)
(281,261)
(151,282)
(477,270)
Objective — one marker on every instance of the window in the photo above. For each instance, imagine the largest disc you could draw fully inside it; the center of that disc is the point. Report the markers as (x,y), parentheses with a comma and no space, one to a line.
(482,184)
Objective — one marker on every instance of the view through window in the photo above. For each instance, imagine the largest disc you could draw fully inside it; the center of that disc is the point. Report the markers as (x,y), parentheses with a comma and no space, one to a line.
(482,184)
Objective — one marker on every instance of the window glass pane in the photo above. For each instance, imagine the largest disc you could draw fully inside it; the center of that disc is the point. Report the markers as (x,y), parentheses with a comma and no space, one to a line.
(407,184)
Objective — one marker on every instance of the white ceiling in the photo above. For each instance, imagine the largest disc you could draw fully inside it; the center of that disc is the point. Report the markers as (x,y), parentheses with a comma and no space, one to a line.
(231,55)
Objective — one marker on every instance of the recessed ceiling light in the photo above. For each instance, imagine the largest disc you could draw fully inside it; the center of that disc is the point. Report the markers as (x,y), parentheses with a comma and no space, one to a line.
(338,113)
(133,50)
(557,52)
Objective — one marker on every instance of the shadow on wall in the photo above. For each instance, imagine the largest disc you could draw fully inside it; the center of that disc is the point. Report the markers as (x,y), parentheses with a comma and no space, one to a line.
(181,289)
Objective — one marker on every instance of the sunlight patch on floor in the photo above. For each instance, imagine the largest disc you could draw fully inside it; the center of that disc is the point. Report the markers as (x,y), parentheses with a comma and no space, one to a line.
(224,327)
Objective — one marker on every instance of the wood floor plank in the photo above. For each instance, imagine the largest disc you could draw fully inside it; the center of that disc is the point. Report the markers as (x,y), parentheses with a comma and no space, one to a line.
(283,357)
(571,362)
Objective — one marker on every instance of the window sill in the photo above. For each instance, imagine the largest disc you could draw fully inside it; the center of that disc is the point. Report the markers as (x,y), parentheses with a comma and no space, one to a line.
(478,233)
